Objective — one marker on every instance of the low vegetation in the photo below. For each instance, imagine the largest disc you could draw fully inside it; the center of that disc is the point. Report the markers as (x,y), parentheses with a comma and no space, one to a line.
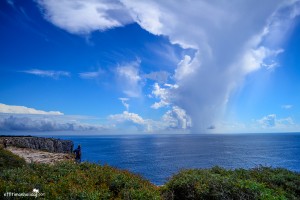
(218,183)
(9,160)
(67,180)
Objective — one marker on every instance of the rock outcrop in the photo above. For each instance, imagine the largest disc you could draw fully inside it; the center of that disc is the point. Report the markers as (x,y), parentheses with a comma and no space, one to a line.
(37,156)
(39,143)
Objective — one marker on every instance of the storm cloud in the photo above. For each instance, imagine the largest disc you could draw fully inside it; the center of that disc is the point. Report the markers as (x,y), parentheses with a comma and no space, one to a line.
(231,39)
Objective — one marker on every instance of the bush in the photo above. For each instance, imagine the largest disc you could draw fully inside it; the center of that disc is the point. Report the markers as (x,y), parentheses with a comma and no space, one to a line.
(218,183)
(9,160)
(67,180)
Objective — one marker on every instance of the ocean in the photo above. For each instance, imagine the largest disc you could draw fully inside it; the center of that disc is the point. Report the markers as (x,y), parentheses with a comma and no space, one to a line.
(157,157)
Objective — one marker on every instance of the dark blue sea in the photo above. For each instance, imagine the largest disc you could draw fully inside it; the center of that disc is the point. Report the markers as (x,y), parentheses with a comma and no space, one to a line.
(157,157)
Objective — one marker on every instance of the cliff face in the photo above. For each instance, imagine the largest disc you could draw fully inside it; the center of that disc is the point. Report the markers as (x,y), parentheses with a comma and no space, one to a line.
(40,143)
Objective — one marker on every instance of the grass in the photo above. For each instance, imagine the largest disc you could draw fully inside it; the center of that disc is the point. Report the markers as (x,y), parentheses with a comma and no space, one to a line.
(67,180)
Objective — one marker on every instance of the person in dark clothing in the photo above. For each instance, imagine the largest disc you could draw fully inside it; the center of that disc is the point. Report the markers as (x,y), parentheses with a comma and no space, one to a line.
(5,143)
(78,154)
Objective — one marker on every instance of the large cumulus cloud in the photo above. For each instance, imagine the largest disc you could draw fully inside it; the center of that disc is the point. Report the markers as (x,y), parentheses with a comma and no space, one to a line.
(231,39)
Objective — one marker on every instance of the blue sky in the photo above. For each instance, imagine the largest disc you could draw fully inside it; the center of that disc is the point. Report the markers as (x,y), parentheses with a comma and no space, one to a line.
(123,66)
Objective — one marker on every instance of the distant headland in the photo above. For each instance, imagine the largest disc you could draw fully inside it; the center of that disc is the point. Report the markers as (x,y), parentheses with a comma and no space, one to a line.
(39,143)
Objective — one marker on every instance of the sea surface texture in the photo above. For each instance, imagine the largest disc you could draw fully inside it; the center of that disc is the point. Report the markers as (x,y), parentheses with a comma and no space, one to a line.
(158,157)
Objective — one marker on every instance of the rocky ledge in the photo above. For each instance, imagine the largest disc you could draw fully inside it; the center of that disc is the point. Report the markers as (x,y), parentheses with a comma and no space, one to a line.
(39,143)
(37,156)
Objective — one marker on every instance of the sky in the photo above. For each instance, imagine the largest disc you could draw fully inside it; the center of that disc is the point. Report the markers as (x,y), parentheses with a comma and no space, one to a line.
(149,66)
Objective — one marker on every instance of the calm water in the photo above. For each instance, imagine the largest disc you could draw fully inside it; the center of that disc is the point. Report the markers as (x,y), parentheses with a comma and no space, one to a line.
(157,157)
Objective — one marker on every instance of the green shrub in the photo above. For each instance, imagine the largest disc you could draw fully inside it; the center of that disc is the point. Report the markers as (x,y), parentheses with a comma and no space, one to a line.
(279,179)
(218,183)
(67,180)
(9,160)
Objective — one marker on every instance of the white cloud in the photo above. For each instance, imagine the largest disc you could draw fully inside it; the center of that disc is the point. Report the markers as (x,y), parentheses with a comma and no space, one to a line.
(177,118)
(256,58)
(174,119)
(185,68)
(267,124)
(286,121)
(231,38)
(161,93)
(21,118)
(287,106)
(150,17)
(25,110)
(91,75)
(160,76)
(84,16)
(129,79)
(124,100)
(271,121)
(127,116)
(130,121)
(30,123)
(159,104)
(268,121)
(47,73)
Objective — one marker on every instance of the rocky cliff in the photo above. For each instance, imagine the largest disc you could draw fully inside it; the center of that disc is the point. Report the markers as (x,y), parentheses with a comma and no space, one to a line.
(39,143)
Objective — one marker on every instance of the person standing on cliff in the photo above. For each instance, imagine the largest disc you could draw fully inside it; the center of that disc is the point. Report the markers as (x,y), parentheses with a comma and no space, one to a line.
(78,154)
(5,143)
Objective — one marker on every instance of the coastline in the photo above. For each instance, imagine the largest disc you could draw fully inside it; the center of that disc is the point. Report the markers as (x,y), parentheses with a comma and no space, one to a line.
(38,149)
